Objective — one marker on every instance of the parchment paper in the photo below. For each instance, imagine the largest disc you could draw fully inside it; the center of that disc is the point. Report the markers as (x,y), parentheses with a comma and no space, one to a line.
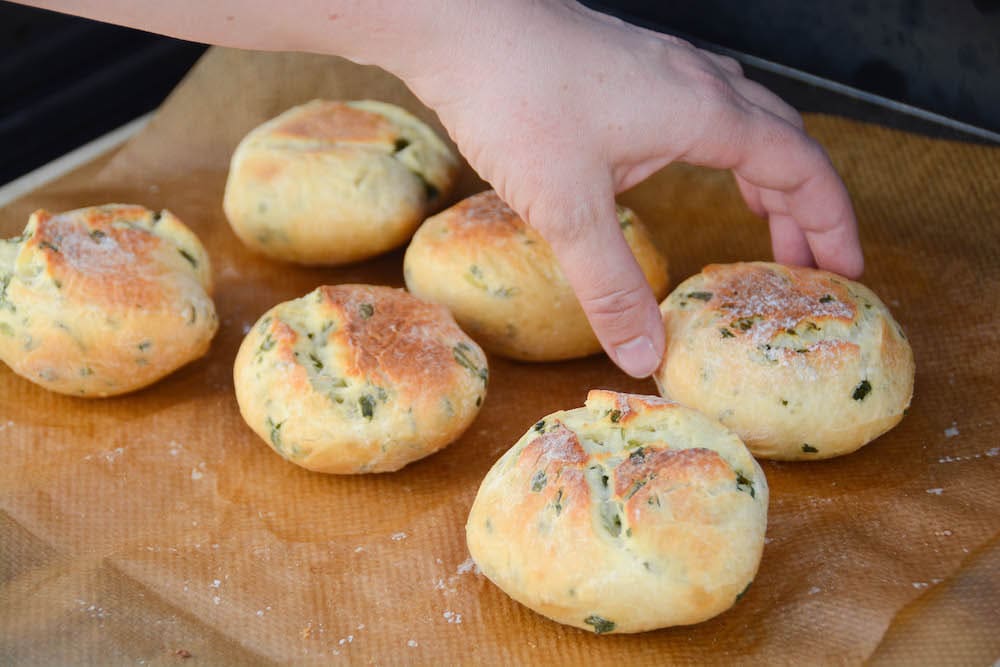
(156,528)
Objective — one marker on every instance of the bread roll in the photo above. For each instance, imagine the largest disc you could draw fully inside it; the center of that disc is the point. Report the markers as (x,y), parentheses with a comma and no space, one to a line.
(629,514)
(336,182)
(502,282)
(357,378)
(104,300)
(801,363)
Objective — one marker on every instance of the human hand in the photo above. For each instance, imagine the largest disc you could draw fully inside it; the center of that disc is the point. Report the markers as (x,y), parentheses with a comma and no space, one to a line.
(560,108)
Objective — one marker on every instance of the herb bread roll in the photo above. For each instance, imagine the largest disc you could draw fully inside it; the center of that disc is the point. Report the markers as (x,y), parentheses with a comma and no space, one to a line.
(104,300)
(502,282)
(629,514)
(357,378)
(801,363)
(336,182)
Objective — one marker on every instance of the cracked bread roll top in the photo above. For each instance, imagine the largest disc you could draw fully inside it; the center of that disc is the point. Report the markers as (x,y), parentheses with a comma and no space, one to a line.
(336,182)
(103,300)
(358,378)
(803,364)
(503,284)
(629,514)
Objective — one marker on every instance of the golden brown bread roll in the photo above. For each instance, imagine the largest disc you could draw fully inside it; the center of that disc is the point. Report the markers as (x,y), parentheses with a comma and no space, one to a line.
(629,514)
(803,364)
(501,280)
(358,378)
(336,182)
(103,300)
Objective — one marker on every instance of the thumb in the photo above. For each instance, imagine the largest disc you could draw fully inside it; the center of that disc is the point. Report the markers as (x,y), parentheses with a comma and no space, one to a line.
(587,240)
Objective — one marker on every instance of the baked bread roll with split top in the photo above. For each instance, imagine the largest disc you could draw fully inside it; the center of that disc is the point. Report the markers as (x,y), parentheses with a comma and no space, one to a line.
(358,378)
(501,280)
(629,514)
(803,364)
(336,182)
(104,300)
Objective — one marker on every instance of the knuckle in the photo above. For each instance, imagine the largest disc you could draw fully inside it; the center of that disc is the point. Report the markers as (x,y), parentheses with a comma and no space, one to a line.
(615,309)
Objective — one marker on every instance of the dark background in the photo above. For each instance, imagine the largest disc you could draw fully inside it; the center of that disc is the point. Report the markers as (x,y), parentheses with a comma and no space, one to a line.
(65,81)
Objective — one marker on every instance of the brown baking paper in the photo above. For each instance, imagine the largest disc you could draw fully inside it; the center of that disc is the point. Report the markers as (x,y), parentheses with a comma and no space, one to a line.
(156,527)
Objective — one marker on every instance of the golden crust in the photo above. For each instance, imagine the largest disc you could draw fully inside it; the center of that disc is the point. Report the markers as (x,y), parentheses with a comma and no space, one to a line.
(104,300)
(502,282)
(629,514)
(332,123)
(802,363)
(358,378)
(336,182)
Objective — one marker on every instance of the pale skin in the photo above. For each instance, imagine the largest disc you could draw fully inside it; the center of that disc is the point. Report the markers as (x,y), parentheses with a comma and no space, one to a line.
(560,108)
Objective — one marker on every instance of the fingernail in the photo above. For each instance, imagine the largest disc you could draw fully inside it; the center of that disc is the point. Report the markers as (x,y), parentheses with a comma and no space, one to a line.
(637,357)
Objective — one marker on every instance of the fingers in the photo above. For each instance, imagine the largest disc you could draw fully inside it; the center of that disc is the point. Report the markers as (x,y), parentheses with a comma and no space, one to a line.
(751,195)
(789,242)
(585,235)
(770,153)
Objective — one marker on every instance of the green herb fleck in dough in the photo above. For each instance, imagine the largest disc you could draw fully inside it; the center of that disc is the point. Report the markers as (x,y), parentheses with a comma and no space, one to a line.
(744,592)
(863,389)
(653,501)
(826,298)
(263,324)
(611,519)
(479,401)
(784,402)
(557,503)
(726,333)
(367,406)
(275,429)
(701,296)
(475,277)
(601,625)
(540,426)
(488,525)
(85,371)
(809,449)
(400,144)
(145,345)
(745,485)
(6,329)
(97,235)
(46,244)
(634,489)
(538,481)
(57,283)
(4,284)
(633,443)
(267,344)
(366,310)
(616,416)
(317,364)
(461,353)
(505,292)
(743,324)
(188,256)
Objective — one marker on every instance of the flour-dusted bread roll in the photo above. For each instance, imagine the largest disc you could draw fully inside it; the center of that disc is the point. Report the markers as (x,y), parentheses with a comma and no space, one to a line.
(629,514)
(104,300)
(502,282)
(801,363)
(358,378)
(336,182)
